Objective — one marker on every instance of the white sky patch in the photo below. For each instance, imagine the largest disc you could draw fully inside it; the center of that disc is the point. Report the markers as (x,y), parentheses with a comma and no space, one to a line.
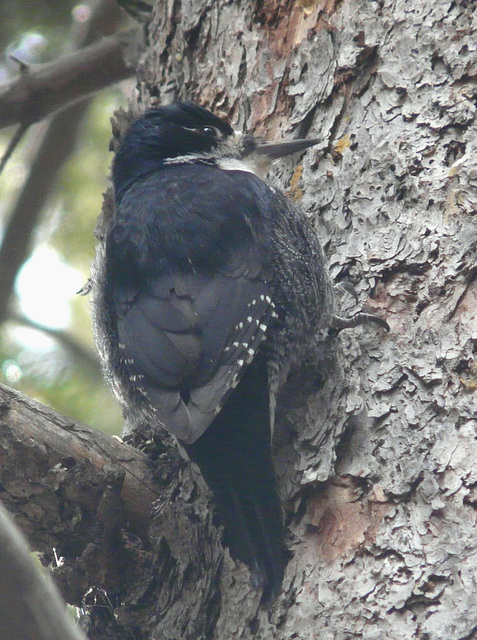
(45,285)
(33,339)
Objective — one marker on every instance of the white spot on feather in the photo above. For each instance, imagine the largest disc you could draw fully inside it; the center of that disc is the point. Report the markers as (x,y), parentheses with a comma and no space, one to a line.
(233,164)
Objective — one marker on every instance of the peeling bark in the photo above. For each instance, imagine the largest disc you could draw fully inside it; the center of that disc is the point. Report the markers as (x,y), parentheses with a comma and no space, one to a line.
(383,528)
(376,456)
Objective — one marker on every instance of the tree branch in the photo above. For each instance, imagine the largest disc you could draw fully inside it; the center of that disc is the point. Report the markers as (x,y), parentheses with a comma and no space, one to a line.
(90,496)
(64,462)
(40,90)
(85,356)
(57,142)
(12,145)
(56,145)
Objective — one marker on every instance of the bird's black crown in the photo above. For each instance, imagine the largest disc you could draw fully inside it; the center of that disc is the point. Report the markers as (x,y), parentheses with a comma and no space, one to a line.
(164,133)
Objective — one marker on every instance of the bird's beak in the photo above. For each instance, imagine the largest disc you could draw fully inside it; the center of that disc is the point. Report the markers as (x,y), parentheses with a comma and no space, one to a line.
(275,150)
(259,155)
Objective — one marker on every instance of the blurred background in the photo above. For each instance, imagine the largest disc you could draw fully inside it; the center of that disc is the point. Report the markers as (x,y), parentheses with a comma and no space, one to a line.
(50,196)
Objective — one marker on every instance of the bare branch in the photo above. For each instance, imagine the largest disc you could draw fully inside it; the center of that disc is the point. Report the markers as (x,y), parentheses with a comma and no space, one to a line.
(64,461)
(19,133)
(57,143)
(84,355)
(40,90)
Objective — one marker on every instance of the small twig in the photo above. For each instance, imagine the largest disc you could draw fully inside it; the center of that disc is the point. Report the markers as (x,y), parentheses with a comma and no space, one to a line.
(12,145)
(83,354)
(23,65)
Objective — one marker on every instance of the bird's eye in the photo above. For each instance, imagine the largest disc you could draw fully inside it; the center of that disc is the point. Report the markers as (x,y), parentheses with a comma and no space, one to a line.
(209,131)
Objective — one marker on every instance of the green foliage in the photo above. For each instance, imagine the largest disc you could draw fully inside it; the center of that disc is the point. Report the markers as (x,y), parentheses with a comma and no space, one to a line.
(54,378)
(44,367)
(47,369)
(83,182)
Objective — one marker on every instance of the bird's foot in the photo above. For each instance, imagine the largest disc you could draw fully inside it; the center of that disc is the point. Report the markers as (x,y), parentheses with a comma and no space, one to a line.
(338,322)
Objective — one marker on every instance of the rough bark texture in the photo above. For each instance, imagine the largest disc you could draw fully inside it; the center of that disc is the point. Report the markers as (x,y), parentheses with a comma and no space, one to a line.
(376,452)
(383,528)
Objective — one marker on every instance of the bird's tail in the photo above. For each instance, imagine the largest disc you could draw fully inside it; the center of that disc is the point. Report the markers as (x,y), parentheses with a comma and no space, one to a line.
(235,459)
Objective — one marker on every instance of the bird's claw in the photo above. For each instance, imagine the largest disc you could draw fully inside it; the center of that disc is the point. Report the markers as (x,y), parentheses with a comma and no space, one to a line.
(339,323)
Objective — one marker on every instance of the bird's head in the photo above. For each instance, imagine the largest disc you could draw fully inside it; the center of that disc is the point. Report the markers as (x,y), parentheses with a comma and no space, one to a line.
(184,132)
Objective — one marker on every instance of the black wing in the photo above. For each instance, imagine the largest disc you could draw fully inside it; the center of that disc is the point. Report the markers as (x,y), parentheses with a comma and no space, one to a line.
(186,334)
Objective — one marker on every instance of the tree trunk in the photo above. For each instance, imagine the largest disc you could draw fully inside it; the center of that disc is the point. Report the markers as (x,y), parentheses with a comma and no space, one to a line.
(376,443)
(377,469)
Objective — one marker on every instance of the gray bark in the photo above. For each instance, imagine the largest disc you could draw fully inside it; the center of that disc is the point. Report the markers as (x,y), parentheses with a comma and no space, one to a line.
(376,438)
(378,469)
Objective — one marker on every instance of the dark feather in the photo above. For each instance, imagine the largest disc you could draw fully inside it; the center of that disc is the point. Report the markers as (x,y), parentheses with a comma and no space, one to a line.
(201,266)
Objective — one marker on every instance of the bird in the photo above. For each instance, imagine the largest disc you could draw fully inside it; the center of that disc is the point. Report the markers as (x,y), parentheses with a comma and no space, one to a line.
(210,286)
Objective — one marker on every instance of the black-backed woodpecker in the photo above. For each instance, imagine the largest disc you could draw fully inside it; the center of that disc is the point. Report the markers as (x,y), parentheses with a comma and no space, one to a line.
(209,286)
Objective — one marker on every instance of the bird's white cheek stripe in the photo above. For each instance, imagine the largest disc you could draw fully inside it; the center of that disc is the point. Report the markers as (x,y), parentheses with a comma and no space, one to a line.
(233,164)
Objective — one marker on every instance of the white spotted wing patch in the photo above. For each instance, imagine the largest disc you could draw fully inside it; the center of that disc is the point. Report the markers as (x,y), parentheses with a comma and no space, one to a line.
(188,406)
(244,344)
